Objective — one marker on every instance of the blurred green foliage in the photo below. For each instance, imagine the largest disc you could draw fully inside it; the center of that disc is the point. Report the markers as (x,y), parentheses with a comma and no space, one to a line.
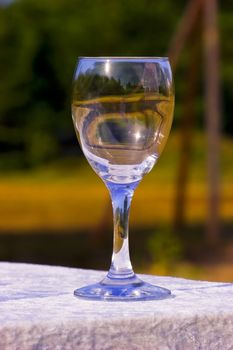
(39,45)
(165,247)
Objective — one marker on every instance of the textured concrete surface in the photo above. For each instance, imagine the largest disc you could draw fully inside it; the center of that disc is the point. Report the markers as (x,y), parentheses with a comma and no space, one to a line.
(39,312)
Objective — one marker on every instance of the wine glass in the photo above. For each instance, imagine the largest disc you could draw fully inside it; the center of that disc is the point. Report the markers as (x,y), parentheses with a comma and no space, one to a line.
(122,109)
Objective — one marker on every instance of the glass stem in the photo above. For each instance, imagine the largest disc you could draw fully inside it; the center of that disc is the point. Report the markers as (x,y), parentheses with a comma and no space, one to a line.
(121,195)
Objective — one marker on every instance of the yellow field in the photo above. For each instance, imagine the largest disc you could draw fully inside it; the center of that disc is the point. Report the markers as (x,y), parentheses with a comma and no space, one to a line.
(71,197)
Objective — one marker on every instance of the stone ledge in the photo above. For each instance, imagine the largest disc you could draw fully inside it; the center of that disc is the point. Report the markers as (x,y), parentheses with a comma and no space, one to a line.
(39,312)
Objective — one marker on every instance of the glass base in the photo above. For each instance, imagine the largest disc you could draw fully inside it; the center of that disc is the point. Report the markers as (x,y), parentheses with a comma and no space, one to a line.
(130,289)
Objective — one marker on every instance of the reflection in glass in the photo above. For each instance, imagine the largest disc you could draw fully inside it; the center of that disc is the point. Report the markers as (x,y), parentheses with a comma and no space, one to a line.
(122,111)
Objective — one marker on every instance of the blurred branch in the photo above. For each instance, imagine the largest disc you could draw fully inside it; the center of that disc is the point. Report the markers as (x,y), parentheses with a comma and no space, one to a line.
(213,109)
(184,30)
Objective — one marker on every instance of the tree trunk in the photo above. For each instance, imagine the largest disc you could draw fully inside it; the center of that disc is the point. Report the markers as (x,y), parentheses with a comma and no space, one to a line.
(212,114)
(186,135)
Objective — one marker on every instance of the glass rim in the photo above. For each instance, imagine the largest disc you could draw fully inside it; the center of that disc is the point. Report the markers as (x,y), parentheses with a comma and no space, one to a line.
(150,58)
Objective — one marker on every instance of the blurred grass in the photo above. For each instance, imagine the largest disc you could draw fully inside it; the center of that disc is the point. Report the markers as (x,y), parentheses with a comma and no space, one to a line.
(216,272)
(67,195)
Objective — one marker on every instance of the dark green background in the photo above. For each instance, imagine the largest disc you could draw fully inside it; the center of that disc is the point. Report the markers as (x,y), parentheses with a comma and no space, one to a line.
(39,45)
